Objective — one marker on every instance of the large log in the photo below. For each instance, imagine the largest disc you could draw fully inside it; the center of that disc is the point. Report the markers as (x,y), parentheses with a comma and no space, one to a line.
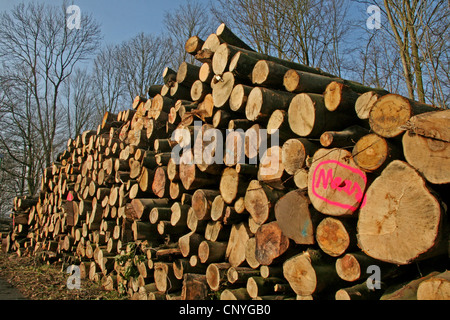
(238,97)
(426,145)
(165,278)
(226,35)
(365,103)
(268,74)
(398,207)
(392,111)
(193,45)
(308,116)
(360,292)
(335,183)
(299,82)
(216,275)
(262,102)
(406,291)
(225,52)
(338,96)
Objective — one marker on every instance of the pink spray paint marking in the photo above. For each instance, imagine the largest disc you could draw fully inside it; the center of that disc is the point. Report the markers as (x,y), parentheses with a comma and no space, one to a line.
(347,186)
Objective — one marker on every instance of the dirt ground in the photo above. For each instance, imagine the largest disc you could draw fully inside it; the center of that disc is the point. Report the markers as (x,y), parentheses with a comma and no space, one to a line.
(25,278)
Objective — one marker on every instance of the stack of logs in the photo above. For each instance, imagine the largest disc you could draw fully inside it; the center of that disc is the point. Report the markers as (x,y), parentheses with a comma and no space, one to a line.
(350,204)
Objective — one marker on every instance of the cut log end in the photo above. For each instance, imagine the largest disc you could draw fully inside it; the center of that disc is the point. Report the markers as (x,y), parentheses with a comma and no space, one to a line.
(392,217)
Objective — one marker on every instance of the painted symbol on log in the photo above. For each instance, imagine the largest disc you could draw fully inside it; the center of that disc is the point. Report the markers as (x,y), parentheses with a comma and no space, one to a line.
(325,178)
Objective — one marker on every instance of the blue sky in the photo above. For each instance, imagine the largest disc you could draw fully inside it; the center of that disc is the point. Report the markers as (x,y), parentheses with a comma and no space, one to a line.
(123,19)
(119,19)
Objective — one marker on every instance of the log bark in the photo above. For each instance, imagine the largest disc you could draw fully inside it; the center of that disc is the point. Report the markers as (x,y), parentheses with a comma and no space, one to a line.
(240,275)
(195,287)
(226,35)
(352,267)
(235,294)
(187,74)
(262,102)
(359,292)
(344,138)
(299,82)
(225,52)
(269,74)
(212,251)
(338,96)
(308,116)
(391,217)
(216,275)
(241,65)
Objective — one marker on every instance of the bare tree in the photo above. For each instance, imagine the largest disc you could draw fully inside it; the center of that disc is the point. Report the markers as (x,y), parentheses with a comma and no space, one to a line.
(141,61)
(191,18)
(250,19)
(418,30)
(107,79)
(312,32)
(78,94)
(35,36)
(37,55)
(20,142)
